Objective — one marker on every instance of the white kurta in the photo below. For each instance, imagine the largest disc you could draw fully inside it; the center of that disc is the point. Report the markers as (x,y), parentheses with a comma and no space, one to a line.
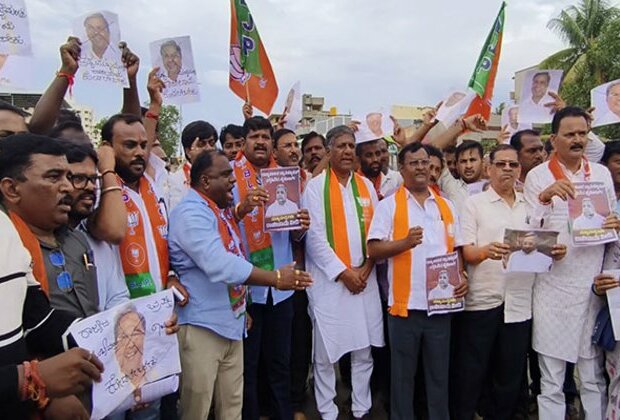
(564,307)
(346,322)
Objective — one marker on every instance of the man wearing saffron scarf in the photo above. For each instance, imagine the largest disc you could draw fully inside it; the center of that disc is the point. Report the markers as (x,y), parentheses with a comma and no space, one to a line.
(564,307)
(370,156)
(409,226)
(205,248)
(345,306)
(196,137)
(271,309)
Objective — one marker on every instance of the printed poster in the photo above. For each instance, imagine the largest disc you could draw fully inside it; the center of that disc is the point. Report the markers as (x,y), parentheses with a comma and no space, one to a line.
(373,126)
(293,107)
(606,99)
(510,119)
(587,213)
(535,95)
(454,105)
(175,60)
(100,59)
(443,277)
(131,342)
(14,28)
(284,188)
(530,250)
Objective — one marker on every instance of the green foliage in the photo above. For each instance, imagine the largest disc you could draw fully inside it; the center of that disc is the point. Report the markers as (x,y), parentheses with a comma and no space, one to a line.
(98,127)
(168,129)
(591,30)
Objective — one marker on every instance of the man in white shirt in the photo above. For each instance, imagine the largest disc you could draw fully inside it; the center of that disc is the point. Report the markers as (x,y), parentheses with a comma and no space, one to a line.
(282,205)
(528,259)
(391,179)
(443,290)
(196,137)
(430,228)
(469,166)
(563,305)
(344,301)
(589,218)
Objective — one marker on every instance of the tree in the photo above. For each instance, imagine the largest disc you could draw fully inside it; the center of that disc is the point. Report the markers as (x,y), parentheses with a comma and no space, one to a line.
(167,128)
(581,26)
(592,58)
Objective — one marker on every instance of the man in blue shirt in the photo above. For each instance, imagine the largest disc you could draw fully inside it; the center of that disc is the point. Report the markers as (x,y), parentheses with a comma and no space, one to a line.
(206,252)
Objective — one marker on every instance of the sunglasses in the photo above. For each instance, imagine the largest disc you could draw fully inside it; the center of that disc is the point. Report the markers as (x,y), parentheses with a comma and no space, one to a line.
(500,164)
(63,280)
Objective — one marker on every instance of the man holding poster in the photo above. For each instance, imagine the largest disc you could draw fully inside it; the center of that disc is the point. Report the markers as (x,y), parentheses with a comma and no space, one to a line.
(563,305)
(409,226)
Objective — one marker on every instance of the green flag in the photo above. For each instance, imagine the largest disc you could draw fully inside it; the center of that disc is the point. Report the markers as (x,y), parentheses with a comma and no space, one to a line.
(249,40)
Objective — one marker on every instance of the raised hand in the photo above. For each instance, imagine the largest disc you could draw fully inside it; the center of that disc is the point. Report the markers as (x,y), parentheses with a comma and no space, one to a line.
(70,54)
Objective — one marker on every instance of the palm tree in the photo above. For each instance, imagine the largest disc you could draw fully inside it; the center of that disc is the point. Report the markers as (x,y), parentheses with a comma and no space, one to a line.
(580,26)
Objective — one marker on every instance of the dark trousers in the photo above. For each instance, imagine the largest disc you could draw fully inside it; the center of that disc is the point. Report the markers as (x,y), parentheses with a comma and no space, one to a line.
(270,336)
(409,337)
(301,350)
(487,350)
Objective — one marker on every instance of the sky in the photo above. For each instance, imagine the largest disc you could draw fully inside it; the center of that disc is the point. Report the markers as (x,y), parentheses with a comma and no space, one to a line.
(360,55)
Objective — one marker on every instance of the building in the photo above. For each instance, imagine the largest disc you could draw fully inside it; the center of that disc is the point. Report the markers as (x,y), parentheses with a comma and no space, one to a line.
(27,102)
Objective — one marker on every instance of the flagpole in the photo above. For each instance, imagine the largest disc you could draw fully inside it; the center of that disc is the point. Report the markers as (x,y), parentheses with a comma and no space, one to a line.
(247,91)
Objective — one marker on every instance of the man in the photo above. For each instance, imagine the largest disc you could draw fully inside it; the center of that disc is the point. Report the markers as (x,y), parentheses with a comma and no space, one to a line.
(589,218)
(611,159)
(469,167)
(29,325)
(313,150)
(491,336)
(530,151)
(12,120)
(612,95)
(144,250)
(272,310)
(528,259)
(98,32)
(344,302)
(205,248)
(286,149)
(435,166)
(370,155)
(409,226)
(562,301)
(196,137)
(443,290)
(282,205)
(231,140)
(70,130)
(129,334)
(449,154)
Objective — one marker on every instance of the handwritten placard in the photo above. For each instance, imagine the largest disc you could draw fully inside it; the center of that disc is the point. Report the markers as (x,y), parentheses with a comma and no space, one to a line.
(14,28)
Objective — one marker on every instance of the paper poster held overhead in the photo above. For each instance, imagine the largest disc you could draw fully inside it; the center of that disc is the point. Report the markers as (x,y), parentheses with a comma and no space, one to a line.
(175,60)
(606,99)
(510,119)
(534,105)
(454,105)
(293,107)
(15,29)
(100,59)
(373,126)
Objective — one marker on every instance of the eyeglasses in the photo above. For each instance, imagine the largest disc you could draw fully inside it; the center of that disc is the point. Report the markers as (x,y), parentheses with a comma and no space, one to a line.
(80,181)
(64,279)
(420,162)
(500,164)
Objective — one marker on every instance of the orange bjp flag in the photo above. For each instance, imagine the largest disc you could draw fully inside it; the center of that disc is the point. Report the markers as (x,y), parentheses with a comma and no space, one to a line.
(251,77)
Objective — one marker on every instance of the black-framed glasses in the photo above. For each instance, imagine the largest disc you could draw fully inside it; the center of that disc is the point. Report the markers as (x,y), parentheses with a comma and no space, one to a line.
(63,279)
(500,164)
(80,181)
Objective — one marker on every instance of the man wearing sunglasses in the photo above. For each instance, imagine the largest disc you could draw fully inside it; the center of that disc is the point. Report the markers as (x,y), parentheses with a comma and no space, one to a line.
(491,336)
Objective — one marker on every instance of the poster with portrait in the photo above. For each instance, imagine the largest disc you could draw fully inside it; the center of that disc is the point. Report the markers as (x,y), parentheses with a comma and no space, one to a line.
(510,120)
(454,105)
(373,126)
(14,28)
(284,188)
(443,277)
(175,60)
(293,108)
(535,95)
(530,250)
(587,213)
(606,100)
(131,342)
(100,59)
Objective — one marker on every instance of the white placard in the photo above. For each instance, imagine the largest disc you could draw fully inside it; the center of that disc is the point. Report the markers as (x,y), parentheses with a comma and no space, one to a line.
(293,107)
(175,60)
(606,100)
(535,95)
(14,28)
(454,105)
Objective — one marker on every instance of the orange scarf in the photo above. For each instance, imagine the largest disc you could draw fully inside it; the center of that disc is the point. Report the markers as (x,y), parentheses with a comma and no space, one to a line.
(375,183)
(31,243)
(134,249)
(187,170)
(259,241)
(335,220)
(558,173)
(401,277)
(237,294)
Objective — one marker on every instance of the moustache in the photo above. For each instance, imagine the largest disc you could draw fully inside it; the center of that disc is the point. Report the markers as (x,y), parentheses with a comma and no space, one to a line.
(66,200)
(138,160)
